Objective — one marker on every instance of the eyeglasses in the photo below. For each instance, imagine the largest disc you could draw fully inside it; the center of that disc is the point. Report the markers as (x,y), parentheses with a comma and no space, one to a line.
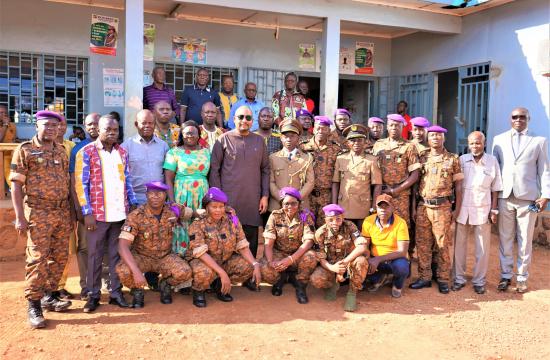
(521,117)
(290,204)
(247,117)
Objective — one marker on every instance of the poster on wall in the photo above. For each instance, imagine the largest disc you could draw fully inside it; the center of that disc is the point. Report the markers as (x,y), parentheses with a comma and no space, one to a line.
(306,60)
(113,87)
(189,50)
(149,32)
(364,55)
(103,35)
(346,60)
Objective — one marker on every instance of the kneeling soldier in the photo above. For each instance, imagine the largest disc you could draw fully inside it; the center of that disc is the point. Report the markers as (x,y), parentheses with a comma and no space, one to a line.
(289,235)
(340,248)
(145,244)
(215,240)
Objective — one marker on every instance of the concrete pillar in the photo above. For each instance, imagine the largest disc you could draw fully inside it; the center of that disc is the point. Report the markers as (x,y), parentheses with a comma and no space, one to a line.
(330,55)
(133,64)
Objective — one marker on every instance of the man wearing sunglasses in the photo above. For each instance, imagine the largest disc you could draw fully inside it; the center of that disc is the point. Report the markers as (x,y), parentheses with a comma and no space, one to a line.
(240,167)
(523,159)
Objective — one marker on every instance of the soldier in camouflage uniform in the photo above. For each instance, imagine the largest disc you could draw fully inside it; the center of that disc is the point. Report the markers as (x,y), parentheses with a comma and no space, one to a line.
(398,160)
(289,235)
(341,254)
(145,244)
(220,250)
(376,132)
(324,153)
(40,194)
(342,119)
(306,120)
(441,180)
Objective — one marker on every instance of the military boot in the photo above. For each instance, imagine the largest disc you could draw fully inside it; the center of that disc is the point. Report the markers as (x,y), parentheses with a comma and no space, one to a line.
(139,298)
(351,302)
(277,289)
(301,295)
(51,302)
(330,293)
(36,319)
(199,299)
(165,292)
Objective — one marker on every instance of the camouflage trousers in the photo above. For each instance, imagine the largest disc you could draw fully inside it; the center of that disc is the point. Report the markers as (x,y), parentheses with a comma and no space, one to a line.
(402,206)
(317,200)
(303,267)
(171,267)
(357,271)
(47,248)
(433,227)
(237,268)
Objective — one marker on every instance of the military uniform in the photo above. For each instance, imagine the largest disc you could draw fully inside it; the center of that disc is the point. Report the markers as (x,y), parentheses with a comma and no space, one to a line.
(338,138)
(44,174)
(335,247)
(306,136)
(288,235)
(433,216)
(221,240)
(151,240)
(420,148)
(296,172)
(397,159)
(356,174)
(324,158)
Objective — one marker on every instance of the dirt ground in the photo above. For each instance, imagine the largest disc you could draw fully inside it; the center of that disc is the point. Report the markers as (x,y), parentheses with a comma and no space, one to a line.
(422,324)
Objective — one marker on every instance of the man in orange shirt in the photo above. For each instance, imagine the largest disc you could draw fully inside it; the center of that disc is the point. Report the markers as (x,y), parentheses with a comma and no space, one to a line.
(389,238)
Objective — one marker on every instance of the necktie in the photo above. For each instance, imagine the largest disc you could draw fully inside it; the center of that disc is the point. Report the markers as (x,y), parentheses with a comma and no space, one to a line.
(517,144)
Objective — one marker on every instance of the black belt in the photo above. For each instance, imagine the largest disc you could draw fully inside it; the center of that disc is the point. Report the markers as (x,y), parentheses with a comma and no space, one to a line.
(436,201)
(43,202)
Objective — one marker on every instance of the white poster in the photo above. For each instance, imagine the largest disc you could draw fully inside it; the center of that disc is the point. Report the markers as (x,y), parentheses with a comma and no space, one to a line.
(347,61)
(113,87)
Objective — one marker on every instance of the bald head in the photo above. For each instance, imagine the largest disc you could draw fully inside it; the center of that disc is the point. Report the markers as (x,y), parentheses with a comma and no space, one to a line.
(477,135)
(476,144)
(91,125)
(145,124)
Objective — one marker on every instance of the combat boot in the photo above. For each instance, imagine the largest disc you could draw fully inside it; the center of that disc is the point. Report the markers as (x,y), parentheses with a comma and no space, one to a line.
(301,295)
(351,302)
(52,303)
(199,299)
(36,319)
(330,293)
(277,289)
(165,292)
(139,298)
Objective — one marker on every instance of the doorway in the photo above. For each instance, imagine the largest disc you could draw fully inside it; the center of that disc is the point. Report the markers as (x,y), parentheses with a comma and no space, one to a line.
(356,97)
(447,105)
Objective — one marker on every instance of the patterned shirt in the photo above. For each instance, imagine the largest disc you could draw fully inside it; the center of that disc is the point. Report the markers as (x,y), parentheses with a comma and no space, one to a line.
(210,137)
(439,172)
(171,137)
(396,159)
(285,105)
(336,246)
(272,142)
(289,234)
(324,159)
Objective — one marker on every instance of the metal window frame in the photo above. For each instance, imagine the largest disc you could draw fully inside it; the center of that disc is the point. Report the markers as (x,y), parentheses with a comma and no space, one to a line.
(38,80)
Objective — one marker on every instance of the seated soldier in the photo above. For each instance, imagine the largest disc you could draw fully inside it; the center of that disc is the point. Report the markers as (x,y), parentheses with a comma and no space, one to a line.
(145,244)
(340,248)
(389,238)
(221,252)
(289,235)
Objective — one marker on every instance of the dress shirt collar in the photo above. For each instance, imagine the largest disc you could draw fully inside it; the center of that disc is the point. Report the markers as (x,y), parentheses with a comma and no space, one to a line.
(140,139)
(379,224)
(469,157)
(515,132)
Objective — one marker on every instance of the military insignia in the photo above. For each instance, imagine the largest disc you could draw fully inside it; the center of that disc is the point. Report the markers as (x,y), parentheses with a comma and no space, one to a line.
(56,162)
(127,228)
(40,160)
(353,128)
(146,235)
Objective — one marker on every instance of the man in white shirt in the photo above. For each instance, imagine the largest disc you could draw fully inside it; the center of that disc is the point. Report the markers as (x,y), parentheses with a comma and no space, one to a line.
(482,182)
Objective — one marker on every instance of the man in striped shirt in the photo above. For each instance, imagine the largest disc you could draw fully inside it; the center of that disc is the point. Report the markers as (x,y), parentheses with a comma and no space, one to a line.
(158,91)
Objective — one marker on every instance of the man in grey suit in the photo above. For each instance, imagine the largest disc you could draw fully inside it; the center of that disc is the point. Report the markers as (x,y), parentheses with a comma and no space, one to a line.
(523,158)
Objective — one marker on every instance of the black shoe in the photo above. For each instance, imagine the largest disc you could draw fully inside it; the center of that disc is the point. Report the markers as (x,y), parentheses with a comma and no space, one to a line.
(457,286)
(152,280)
(479,289)
(165,292)
(199,299)
(443,287)
(301,295)
(291,278)
(36,319)
(139,298)
(277,289)
(503,284)
(64,294)
(224,297)
(91,305)
(419,284)
(51,302)
(433,266)
(120,301)
(250,285)
(84,295)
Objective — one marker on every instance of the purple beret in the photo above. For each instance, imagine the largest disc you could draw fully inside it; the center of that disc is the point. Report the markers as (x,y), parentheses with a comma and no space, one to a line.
(333,210)
(323,120)
(342,112)
(216,195)
(375,119)
(303,112)
(397,117)
(420,122)
(156,186)
(47,114)
(290,191)
(437,129)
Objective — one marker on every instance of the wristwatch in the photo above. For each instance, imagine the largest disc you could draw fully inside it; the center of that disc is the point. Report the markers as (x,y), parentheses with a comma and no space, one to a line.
(494,211)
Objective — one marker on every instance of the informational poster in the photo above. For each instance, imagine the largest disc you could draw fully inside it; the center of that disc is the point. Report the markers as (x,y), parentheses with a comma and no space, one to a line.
(149,33)
(113,87)
(364,55)
(103,35)
(189,50)
(306,60)
(346,60)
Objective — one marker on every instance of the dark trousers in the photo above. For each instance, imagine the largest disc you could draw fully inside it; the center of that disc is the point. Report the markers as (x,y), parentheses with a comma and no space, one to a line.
(106,234)
(398,267)
(251,233)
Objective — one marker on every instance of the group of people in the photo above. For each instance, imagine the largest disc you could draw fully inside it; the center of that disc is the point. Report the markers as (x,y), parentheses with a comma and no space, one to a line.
(194,208)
